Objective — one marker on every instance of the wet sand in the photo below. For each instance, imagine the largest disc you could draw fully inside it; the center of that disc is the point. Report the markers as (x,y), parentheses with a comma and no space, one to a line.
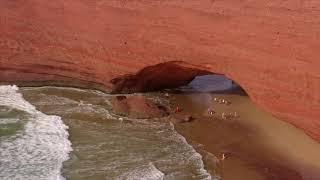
(257,146)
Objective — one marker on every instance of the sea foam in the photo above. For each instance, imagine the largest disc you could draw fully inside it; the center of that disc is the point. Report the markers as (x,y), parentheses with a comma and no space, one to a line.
(146,172)
(40,149)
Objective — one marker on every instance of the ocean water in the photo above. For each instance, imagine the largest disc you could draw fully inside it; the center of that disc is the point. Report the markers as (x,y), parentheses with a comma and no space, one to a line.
(33,145)
(57,133)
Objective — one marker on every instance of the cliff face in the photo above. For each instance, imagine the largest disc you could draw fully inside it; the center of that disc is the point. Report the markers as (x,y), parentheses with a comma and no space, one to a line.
(270,48)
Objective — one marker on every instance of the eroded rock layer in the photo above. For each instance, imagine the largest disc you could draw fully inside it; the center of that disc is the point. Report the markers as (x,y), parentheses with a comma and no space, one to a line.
(271,48)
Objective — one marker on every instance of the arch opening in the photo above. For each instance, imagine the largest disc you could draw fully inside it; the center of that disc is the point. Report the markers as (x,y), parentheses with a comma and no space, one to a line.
(212,83)
(176,76)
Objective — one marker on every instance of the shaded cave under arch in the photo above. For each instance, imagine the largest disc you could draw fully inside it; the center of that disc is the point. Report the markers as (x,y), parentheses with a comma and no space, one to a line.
(173,75)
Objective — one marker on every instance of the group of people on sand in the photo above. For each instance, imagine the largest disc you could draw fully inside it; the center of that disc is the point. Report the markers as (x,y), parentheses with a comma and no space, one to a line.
(211,111)
(229,115)
(222,101)
(224,115)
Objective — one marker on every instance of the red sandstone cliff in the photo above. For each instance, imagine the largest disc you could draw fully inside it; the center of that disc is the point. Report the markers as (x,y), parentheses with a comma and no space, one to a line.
(271,48)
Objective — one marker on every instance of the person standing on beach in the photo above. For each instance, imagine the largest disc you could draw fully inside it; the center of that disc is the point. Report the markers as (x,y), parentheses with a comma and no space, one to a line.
(211,112)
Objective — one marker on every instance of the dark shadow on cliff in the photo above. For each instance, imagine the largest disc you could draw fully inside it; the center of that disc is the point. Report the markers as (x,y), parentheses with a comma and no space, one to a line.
(152,78)
(175,78)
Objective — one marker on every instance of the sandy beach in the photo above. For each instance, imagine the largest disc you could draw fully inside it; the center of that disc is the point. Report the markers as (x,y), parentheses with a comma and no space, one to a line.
(255,145)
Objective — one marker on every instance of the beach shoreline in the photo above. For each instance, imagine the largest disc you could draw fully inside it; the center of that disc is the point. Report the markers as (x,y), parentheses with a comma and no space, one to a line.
(242,148)
(266,149)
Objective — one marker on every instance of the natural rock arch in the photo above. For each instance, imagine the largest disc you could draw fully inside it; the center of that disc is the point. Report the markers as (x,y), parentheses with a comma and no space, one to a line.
(270,49)
(156,77)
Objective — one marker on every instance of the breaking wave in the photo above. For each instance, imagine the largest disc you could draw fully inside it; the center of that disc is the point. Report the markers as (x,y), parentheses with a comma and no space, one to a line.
(38,148)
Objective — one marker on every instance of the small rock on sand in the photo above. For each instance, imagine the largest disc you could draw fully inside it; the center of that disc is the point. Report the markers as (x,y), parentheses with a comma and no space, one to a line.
(137,107)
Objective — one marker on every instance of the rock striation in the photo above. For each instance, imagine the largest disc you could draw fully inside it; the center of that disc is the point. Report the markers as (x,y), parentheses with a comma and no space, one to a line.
(270,48)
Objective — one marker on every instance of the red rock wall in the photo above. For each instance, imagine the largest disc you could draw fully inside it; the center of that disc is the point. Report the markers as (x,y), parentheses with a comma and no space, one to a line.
(271,48)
